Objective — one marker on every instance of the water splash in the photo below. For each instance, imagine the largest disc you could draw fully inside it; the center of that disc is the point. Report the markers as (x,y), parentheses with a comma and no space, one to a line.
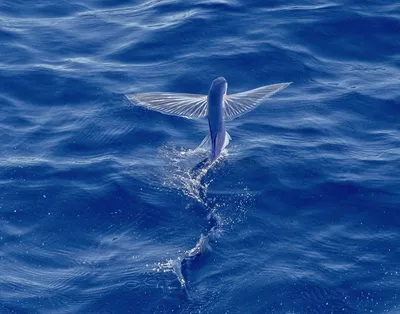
(181,175)
(194,183)
(174,266)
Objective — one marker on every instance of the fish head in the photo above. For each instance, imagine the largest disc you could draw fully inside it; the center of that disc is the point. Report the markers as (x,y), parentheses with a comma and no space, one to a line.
(219,87)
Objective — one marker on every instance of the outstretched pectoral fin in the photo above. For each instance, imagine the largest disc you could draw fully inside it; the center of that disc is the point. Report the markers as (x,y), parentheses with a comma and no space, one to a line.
(238,104)
(189,106)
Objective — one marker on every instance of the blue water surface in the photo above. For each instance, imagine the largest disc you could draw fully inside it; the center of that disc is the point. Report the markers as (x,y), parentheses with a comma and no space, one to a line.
(99,208)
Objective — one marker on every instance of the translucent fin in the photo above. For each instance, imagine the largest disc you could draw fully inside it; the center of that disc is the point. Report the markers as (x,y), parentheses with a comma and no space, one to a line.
(189,106)
(241,103)
(206,143)
(227,139)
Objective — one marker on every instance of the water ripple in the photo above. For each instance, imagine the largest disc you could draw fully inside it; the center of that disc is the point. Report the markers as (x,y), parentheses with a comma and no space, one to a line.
(301,214)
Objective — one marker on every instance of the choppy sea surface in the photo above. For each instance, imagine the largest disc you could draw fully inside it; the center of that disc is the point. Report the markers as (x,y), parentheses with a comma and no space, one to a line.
(99,208)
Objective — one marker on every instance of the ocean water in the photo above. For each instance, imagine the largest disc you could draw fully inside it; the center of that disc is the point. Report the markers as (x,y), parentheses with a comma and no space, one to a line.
(100,210)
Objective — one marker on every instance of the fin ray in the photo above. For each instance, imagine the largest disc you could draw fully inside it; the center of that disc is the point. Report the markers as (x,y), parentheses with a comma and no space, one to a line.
(189,106)
(238,104)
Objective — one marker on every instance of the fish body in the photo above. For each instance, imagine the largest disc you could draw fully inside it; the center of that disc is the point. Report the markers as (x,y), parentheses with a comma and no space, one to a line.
(217,106)
(215,116)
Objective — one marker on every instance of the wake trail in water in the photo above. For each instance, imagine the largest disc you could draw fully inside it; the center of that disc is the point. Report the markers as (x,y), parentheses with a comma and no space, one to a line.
(193,184)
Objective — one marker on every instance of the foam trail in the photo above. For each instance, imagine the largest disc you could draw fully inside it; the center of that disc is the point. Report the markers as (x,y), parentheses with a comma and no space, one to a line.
(192,183)
(203,244)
